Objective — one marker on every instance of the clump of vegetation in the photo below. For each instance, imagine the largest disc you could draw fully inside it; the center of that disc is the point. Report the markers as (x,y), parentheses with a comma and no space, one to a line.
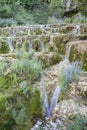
(22,12)
(69,72)
(79,123)
(25,67)
(25,64)
(3,66)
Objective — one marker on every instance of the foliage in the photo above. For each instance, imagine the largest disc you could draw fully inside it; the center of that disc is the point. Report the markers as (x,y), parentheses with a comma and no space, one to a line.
(3,66)
(82,6)
(55,8)
(7,22)
(38,11)
(19,116)
(79,123)
(23,86)
(18,104)
(25,65)
(69,72)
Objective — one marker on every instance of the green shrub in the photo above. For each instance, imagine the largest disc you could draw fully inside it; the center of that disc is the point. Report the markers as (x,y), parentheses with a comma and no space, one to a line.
(3,66)
(69,72)
(26,66)
(79,123)
(19,116)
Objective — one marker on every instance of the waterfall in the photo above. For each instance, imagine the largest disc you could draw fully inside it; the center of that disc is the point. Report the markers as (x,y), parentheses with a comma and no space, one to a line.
(10,44)
(30,44)
(43,95)
(54,99)
(56,30)
(68,47)
(51,39)
(78,29)
(48,108)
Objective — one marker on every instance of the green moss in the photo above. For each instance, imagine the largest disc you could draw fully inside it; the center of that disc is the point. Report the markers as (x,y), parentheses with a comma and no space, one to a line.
(3,46)
(49,59)
(34,110)
(85,61)
(60,44)
(2,102)
(83,37)
(36,45)
(24,101)
(38,31)
(75,55)
(45,39)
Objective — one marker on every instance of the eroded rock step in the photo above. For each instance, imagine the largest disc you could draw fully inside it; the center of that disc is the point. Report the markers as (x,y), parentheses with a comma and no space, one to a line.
(51,42)
(42,29)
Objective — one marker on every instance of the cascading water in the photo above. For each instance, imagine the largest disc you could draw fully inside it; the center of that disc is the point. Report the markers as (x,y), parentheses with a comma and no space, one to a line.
(48,108)
(68,71)
(10,44)
(30,44)
(43,95)
(78,29)
(51,39)
(54,99)
(68,48)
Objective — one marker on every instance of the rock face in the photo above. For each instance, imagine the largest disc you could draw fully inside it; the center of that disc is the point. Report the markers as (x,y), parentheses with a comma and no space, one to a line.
(78,51)
(47,39)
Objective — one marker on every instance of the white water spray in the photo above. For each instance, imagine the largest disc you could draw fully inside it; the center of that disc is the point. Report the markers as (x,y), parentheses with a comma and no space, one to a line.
(78,29)
(51,39)
(46,106)
(10,44)
(30,44)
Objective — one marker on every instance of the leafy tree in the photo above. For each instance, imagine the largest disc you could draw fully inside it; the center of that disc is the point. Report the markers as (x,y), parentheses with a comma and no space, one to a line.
(56,8)
(82,6)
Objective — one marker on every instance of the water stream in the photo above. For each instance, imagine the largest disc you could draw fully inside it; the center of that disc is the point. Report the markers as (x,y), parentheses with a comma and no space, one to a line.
(78,29)
(30,43)
(51,39)
(10,44)
(46,106)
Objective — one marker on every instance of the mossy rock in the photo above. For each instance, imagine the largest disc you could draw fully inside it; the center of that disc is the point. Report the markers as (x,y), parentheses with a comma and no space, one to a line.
(60,42)
(19,42)
(85,61)
(36,31)
(36,44)
(45,39)
(66,29)
(5,32)
(76,55)
(49,59)
(83,29)
(3,46)
(83,37)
